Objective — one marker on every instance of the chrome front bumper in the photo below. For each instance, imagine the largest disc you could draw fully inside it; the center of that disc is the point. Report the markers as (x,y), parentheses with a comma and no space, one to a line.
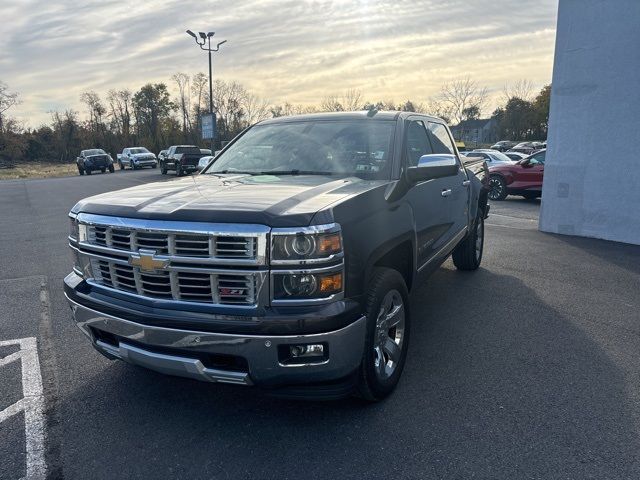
(136,344)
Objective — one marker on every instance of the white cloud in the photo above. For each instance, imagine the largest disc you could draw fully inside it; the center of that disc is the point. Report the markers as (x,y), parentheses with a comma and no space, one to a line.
(283,50)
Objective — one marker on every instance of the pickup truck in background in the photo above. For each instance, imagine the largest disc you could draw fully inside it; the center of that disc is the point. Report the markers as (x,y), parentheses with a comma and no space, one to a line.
(137,157)
(181,158)
(94,159)
(288,262)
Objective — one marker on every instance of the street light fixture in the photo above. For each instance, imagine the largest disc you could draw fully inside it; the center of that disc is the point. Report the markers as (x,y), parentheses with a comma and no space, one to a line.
(204,42)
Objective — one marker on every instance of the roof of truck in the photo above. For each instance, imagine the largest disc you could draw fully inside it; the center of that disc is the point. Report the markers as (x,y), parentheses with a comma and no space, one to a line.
(357,115)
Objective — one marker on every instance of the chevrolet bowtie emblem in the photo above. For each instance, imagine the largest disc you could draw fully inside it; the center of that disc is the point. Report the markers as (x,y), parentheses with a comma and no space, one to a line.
(146,260)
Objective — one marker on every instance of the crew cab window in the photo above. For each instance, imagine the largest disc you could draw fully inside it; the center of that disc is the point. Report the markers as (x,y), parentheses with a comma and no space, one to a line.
(440,139)
(538,158)
(417,143)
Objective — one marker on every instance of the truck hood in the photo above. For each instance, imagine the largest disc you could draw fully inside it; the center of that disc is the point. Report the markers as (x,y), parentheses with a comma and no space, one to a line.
(276,201)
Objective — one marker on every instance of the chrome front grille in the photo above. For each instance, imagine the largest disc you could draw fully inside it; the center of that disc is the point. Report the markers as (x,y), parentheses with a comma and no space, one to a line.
(232,288)
(174,243)
(214,264)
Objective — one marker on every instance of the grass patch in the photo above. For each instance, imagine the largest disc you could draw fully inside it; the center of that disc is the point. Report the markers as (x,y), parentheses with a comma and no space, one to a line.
(38,170)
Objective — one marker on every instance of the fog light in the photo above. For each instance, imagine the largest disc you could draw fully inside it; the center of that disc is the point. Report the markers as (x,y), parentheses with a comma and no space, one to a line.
(315,350)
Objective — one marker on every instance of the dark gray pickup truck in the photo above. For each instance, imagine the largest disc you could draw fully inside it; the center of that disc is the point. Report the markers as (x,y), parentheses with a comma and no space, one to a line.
(288,262)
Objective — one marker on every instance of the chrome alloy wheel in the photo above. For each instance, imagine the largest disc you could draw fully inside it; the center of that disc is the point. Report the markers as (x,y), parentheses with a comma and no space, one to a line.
(496,188)
(389,335)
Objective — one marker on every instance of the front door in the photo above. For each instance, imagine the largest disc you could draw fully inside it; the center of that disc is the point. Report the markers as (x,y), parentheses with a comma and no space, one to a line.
(429,206)
(459,185)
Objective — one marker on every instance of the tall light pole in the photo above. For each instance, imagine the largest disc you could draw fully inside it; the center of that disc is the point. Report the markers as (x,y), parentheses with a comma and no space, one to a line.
(205,39)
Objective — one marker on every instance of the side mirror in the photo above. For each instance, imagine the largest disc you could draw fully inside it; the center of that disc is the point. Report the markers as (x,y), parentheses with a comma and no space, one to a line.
(436,165)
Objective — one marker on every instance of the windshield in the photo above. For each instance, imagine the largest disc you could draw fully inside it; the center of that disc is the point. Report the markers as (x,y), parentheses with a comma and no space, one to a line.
(349,147)
(135,151)
(188,149)
(94,151)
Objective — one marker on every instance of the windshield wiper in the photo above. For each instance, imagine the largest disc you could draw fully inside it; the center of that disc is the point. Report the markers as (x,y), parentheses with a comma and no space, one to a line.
(297,172)
(232,170)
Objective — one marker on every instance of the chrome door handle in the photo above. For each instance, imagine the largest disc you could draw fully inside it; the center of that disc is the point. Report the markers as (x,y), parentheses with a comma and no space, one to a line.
(466,183)
(446,193)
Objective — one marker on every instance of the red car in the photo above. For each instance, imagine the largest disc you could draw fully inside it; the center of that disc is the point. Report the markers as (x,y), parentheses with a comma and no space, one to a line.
(520,178)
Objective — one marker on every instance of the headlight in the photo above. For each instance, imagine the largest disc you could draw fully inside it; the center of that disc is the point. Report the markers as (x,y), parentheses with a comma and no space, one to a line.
(307,285)
(306,245)
(73,228)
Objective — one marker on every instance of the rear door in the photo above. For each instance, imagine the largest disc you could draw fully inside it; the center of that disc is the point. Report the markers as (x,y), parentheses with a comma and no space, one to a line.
(456,187)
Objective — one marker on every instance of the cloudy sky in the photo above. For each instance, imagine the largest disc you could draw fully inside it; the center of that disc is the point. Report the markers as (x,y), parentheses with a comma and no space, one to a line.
(288,50)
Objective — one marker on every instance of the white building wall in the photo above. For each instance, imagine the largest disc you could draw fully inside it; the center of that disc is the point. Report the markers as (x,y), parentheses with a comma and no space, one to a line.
(592,171)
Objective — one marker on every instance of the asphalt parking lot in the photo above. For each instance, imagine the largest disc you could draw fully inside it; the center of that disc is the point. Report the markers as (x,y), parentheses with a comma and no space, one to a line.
(527,368)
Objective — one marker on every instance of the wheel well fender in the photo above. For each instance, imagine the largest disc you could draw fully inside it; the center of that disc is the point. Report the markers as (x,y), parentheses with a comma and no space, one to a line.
(398,255)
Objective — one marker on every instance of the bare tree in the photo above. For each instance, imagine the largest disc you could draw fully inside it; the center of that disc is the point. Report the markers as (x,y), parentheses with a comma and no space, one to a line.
(352,100)
(255,108)
(184,102)
(7,100)
(96,112)
(522,89)
(331,103)
(120,111)
(199,93)
(458,95)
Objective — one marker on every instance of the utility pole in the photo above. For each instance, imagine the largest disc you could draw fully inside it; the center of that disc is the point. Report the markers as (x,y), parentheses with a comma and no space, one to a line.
(202,40)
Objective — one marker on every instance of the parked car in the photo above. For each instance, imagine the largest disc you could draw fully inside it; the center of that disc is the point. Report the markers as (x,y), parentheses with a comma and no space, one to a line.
(288,262)
(515,156)
(162,155)
(205,151)
(503,145)
(527,147)
(181,158)
(203,162)
(137,157)
(492,157)
(94,159)
(521,178)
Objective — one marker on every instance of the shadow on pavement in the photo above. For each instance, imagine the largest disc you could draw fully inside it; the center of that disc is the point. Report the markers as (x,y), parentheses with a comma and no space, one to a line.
(497,385)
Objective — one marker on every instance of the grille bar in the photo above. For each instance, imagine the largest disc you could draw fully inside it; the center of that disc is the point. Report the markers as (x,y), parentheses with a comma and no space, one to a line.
(230,288)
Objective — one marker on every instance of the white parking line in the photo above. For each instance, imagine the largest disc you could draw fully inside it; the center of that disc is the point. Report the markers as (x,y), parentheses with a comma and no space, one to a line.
(31,403)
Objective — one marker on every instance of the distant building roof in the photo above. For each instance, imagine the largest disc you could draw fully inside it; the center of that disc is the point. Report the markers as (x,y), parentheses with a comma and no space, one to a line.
(471,124)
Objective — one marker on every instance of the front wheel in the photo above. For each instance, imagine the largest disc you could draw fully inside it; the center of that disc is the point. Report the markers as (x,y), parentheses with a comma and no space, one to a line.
(163,169)
(111,169)
(498,188)
(88,170)
(103,170)
(387,337)
(80,171)
(179,172)
(468,255)
(121,165)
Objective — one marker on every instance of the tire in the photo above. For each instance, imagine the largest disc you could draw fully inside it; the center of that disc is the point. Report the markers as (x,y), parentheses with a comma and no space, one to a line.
(88,171)
(179,172)
(121,166)
(154,165)
(80,171)
(111,169)
(387,337)
(103,170)
(498,188)
(468,254)
(163,169)
(133,166)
